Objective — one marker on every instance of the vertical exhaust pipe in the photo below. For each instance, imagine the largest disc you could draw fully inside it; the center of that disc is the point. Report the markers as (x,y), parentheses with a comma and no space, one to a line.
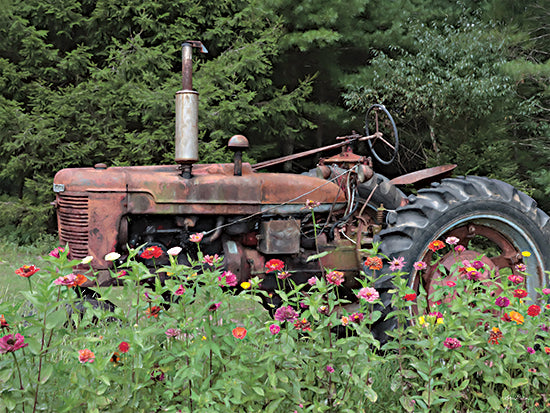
(187,112)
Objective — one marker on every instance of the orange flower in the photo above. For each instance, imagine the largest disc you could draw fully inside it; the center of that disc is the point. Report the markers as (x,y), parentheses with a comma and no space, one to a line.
(495,335)
(26,270)
(374,263)
(436,245)
(86,356)
(80,279)
(517,317)
(239,332)
(153,311)
(547,350)
(3,323)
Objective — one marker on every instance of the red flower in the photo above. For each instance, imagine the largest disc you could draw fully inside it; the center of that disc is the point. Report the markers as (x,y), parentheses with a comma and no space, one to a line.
(86,356)
(519,293)
(436,245)
(3,323)
(495,335)
(115,358)
(151,252)
(302,324)
(239,332)
(153,311)
(374,263)
(124,347)
(506,317)
(533,310)
(274,265)
(27,270)
(410,297)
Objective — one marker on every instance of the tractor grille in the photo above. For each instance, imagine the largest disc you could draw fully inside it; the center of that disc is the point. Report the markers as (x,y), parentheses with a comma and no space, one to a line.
(72,214)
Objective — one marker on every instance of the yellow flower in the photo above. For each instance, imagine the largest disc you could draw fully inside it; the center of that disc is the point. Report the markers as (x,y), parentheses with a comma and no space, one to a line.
(169,274)
(440,320)
(526,253)
(245,285)
(421,320)
(517,317)
(203,338)
(470,269)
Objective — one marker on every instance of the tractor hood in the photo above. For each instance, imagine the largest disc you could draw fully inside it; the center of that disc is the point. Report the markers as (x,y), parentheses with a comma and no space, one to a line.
(213,188)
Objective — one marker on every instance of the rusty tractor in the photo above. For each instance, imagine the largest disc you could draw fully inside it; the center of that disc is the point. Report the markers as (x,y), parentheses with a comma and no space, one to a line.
(250,217)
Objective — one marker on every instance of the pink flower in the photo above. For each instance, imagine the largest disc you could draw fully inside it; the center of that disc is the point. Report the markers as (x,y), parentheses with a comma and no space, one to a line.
(452,240)
(478,265)
(56,252)
(274,329)
(123,347)
(196,237)
(452,343)
(357,317)
(211,259)
(122,273)
(502,301)
(546,291)
(173,332)
(330,369)
(450,283)
(460,248)
(11,343)
(516,279)
(530,350)
(396,264)
(420,265)
(86,356)
(474,275)
(286,313)
(335,277)
(67,280)
(214,307)
(174,251)
(180,290)
(313,280)
(521,267)
(368,294)
(281,275)
(227,278)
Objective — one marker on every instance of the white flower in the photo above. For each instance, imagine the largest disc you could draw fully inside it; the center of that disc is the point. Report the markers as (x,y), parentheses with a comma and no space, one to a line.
(174,251)
(112,256)
(87,260)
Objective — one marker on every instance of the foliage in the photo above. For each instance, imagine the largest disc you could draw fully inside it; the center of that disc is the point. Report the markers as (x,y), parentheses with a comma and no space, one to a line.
(194,344)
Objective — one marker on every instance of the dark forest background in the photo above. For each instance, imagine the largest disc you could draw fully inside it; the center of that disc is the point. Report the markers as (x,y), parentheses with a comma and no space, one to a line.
(94,81)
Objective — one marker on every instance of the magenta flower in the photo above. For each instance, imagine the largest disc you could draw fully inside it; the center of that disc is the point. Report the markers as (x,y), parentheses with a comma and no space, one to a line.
(330,369)
(452,343)
(227,278)
(286,313)
(516,279)
(180,290)
(451,283)
(56,252)
(335,277)
(530,350)
(214,307)
(521,267)
(211,259)
(10,343)
(274,329)
(502,301)
(368,294)
(478,265)
(397,264)
(460,248)
(474,275)
(357,317)
(420,265)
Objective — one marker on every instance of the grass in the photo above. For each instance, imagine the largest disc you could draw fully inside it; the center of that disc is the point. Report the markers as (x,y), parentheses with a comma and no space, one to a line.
(13,256)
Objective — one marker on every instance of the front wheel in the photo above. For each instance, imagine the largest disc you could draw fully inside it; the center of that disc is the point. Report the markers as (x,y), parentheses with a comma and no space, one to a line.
(489,218)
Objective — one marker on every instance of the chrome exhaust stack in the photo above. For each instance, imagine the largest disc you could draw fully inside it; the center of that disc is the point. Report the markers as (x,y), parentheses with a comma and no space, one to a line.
(187,112)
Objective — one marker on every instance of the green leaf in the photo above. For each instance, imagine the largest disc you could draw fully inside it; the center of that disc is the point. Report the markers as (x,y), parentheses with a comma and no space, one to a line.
(259,390)
(371,394)
(495,403)
(522,381)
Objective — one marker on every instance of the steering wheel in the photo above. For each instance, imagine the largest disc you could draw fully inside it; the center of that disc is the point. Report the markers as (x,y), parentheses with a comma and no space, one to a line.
(386,124)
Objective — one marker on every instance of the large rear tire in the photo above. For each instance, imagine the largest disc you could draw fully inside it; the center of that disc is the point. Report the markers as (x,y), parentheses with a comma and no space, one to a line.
(485,214)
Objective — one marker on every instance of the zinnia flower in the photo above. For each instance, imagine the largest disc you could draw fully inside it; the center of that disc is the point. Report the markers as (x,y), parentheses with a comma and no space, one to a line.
(214,307)
(450,283)
(302,324)
(312,204)
(245,285)
(368,294)
(357,317)
(122,273)
(516,279)
(495,335)
(436,245)
(180,290)
(452,240)
(86,356)
(344,320)
(27,270)
(3,323)
(174,251)
(154,311)
(546,291)
(460,248)
(330,369)
(56,252)
(452,343)
(533,310)
(11,343)
(530,350)
(173,332)
(420,265)
(274,265)
(374,263)
(274,329)
(520,293)
(67,280)
(410,297)
(227,278)
(112,256)
(397,264)
(87,260)
(196,237)
(281,275)
(151,252)
(285,313)
(313,280)
(239,332)
(502,301)
(335,277)
(123,347)
(526,253)
(211,259)
(521,267)
(517,317)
